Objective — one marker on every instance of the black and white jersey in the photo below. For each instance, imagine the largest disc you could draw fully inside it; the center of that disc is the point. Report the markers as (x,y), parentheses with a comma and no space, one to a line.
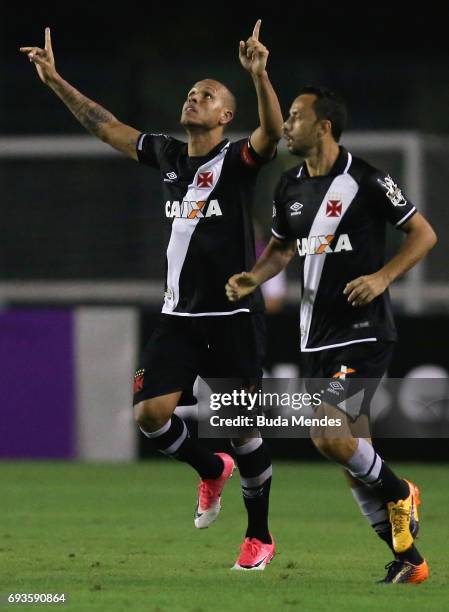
(207,213)
(339,222)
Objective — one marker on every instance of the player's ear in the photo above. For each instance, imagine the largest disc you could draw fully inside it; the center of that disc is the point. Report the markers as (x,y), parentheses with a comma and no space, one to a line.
(325,127)
(226,116)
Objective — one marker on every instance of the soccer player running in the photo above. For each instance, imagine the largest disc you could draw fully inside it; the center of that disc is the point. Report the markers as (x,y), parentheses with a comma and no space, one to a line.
(334,207)
(208,185)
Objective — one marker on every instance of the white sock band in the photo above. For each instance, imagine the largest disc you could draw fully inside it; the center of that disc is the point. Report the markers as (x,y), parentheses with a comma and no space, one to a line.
(248,447)
(372,508)
(174,440)
(256,481)
(365,464)
(173,449)
(158,432)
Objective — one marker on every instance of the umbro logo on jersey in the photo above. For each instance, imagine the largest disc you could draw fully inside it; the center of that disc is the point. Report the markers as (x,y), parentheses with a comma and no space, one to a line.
(335,387)
(205,180)
(334,208)
(192,210)
(394,194)
(318,245)
(171,176)
(296,209)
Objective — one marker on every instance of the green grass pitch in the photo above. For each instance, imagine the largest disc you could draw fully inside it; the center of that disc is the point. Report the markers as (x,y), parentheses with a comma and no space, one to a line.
(121,538)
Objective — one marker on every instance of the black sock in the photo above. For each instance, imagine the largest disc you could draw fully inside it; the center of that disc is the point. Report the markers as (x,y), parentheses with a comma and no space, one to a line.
(411,555)
(389,487)
(254,463)
(383,530)
(257,504)
(173,440)
(205,462)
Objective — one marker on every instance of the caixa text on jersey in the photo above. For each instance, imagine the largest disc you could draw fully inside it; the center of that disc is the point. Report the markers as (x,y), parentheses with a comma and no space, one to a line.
(318,245)
(192,210)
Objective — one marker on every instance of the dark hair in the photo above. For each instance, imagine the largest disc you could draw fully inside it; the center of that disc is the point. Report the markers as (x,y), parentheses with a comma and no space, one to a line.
(330,106)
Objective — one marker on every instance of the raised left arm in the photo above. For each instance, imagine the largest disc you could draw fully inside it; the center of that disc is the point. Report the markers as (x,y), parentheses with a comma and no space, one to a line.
(253,56)
(418,242)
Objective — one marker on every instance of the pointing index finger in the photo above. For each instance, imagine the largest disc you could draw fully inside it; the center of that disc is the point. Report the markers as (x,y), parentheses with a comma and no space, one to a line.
(257,29)
(47,39)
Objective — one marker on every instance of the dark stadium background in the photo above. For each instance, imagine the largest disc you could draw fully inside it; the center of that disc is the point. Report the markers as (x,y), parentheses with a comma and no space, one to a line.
(138,60)
(388,59)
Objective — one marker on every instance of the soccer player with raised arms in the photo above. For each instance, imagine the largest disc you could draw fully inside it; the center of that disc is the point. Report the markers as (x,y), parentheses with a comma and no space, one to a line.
(208,184)
(333,208)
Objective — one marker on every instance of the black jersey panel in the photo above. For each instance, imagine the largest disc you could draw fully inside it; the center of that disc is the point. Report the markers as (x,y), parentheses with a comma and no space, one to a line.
(150,148)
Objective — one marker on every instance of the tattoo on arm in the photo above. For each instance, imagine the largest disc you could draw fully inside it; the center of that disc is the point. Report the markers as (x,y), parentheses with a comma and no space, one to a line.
(91,115)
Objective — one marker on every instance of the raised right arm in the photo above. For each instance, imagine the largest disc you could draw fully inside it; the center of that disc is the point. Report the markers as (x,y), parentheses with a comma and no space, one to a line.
(96,119)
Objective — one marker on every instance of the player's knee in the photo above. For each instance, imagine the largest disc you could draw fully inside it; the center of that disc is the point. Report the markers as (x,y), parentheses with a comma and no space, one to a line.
(151,414)
(336,449)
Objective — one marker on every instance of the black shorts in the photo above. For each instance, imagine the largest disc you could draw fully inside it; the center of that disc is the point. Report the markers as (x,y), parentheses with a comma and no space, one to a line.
(355,370)
(182,348)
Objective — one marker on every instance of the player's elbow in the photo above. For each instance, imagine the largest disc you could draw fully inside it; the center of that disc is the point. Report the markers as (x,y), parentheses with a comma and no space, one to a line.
(422,234)
(110,132)
(274,134)
(291,249)
(106,132)
(428,237)
(433,238)
(288,253)
(271,132)
(283,250)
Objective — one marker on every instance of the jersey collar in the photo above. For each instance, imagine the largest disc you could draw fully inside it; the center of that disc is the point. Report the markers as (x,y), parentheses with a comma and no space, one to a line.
(341,165)
(212,153)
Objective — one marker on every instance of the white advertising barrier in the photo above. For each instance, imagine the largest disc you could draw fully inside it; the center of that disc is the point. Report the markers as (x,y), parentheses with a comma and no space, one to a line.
(106,341)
